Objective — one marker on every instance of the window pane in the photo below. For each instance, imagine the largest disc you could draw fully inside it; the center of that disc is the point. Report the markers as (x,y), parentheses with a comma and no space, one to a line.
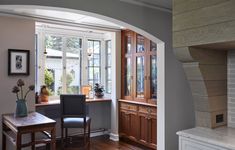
(109,60)
(53,64)
(96,59)
(90,82)
(97,74)
(94,62)
(96,47)
(90,73)
(109,73)
(73,44)
(53,74)
(73,65)
(140,76)
(109,47)
(140,43)
(109,86)
(53,42)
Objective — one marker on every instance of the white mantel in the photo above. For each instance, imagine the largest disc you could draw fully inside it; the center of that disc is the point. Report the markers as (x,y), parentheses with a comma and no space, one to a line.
(222,138)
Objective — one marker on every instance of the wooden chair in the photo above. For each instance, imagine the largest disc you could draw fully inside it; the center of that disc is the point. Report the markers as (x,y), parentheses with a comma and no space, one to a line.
(73,115)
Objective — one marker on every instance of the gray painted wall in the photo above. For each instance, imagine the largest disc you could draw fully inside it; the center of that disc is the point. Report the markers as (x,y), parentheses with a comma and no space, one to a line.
(178,100)
(14,34)
(99,112)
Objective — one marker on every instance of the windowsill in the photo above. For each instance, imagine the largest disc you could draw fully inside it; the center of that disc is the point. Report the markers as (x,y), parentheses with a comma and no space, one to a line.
(88,100)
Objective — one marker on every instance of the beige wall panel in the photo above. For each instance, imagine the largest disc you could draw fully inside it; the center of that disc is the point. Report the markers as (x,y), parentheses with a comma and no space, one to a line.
(215,33)
(214,14)
(203,119)
(204,56)
(210,104)
(209,88)
(180,6)
(195,71)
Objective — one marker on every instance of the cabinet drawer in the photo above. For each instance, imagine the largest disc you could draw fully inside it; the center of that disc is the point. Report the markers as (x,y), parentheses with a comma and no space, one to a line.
(128,106)
(148,110)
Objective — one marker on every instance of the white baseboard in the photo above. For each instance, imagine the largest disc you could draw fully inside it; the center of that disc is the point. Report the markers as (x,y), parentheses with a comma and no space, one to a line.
(99,133)
(114,137)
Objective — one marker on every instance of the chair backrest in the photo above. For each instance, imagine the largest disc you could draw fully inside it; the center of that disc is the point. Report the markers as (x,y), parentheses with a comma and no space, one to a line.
(73,105)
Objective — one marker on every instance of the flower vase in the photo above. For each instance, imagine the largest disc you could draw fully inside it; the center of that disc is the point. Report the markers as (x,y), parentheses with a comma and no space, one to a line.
(21,108)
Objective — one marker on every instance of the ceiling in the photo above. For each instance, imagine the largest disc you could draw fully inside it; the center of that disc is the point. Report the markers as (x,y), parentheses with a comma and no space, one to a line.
(165,5)
(75,18)
(55,15)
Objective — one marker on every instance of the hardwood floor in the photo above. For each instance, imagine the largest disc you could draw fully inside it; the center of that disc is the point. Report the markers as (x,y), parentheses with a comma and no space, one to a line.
(103,143)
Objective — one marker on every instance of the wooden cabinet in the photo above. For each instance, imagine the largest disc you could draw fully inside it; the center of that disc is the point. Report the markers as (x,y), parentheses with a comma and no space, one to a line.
(138,122)
(139,63)
(137,111)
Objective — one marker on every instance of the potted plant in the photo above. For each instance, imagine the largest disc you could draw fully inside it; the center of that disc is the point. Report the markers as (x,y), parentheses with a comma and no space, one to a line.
(44,94)
(21,106)
(98,89)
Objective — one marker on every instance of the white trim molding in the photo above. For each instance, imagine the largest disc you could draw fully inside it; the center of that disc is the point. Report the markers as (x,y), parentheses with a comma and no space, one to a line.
(114,137)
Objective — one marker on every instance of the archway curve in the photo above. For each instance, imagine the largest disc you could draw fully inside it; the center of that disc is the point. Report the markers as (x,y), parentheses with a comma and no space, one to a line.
(160,61)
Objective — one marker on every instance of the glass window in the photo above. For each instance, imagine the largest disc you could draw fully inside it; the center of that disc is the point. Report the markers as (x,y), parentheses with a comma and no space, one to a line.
(108,82)
(62,64)
(53,64)
(94,71)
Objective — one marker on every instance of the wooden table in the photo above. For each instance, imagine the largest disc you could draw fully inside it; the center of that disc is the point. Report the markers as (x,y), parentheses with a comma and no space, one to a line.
(34,122)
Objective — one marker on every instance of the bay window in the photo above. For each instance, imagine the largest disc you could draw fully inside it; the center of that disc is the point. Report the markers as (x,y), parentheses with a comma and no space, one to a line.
(68,59)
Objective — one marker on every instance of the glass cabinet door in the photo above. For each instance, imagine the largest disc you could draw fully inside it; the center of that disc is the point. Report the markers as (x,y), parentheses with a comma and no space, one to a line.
(139,43)
(153,74)
(140,75)
(128,77)
(153,46)
(128,43)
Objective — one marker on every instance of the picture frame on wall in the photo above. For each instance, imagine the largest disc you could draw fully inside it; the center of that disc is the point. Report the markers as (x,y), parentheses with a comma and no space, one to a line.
(18,62)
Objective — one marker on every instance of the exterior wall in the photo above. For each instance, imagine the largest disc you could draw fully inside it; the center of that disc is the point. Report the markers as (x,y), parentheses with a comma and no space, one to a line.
(15,34)
(231,88)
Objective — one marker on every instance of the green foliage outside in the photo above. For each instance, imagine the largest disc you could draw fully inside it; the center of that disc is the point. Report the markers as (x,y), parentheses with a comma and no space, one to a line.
(49,80)
(70,89)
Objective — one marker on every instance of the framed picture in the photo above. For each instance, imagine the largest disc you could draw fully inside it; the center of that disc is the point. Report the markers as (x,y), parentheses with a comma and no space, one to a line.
(18,62)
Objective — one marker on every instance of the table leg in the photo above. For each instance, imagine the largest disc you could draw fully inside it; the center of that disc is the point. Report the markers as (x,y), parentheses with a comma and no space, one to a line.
(3,137)
(18,141)
(3,141)
(33,140)
(53,139)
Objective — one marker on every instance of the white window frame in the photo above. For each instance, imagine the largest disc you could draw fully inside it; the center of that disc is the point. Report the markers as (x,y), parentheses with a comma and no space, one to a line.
(43,30)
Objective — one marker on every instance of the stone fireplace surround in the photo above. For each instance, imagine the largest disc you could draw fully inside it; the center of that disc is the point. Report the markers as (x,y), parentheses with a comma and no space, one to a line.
(206,71)
(211,75)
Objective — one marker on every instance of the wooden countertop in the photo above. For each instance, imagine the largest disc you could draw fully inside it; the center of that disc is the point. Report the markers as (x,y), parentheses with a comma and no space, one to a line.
(56,102)
(135,102)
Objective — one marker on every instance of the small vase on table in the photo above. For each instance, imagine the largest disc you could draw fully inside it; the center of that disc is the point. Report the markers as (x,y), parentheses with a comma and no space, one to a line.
(21,108)
(21,105)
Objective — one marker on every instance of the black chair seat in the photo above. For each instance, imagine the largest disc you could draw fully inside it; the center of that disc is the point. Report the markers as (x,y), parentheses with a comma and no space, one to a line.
(75,122)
